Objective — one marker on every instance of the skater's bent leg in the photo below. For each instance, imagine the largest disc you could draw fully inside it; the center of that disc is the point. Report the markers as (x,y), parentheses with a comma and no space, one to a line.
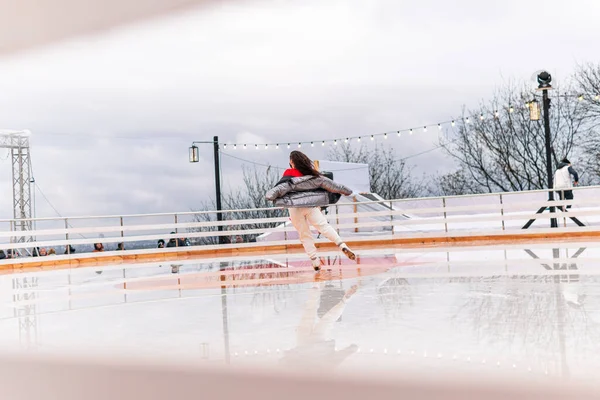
(299,220)
(319,221)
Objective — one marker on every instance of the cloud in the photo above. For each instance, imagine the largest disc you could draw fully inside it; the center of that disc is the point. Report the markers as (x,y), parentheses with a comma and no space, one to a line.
(113,115)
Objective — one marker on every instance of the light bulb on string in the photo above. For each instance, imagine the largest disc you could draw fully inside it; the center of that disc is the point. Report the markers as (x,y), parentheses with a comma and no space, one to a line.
(266,147)
(277,146)
(440,127)
(511,109)
(467,120)
(424,129)
(580,97)
(288,146)
(411,131)
(481,117)
(398,133)
(244,147)
(299,145)
(358,139)
(335,142)
(452,123)
(597,97)
(256,147)
(496,114)
(372,137)
(323,144)
(312,144)
(235,146)
(225,146)
(385,135)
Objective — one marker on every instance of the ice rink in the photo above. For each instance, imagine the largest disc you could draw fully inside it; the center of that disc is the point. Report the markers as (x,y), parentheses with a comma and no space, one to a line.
(532,311)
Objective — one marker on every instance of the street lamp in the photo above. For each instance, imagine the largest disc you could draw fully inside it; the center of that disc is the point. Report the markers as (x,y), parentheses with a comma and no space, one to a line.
(194,155)
(194,158)
(544,79)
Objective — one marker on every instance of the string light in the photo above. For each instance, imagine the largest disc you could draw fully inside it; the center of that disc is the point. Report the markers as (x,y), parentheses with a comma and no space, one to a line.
(467,120)
(597,97)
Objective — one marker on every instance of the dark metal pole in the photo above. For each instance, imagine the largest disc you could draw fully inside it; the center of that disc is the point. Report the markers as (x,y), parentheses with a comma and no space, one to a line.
(549,169)
(218,185)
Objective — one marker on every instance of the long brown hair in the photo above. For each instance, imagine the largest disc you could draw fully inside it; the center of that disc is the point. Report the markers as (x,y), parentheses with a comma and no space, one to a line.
(303,164)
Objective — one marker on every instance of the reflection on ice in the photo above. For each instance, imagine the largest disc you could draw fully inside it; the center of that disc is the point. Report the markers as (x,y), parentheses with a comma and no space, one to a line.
(510,310)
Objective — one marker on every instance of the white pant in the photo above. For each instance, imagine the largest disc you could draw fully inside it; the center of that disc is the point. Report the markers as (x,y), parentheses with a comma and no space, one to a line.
(302,217)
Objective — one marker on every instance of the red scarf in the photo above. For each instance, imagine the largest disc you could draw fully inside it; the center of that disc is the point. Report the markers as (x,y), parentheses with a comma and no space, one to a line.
(294,173)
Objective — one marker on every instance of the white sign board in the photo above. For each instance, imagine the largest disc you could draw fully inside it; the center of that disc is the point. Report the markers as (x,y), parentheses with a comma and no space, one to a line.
(353,175)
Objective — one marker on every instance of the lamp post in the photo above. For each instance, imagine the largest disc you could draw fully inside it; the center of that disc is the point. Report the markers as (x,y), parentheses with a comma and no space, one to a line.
(544,79)
(194,158)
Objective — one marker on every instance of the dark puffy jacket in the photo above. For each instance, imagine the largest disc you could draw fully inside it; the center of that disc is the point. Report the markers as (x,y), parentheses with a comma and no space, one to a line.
(306,191)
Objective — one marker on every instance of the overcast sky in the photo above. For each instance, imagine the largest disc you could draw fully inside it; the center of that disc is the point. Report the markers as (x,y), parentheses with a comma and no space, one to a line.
(112,115)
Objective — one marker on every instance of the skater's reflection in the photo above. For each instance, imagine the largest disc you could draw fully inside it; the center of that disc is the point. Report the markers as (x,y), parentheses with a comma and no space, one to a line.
(314,346)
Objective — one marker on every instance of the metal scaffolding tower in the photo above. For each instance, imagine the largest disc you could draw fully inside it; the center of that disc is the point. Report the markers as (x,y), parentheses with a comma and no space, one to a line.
(18,144)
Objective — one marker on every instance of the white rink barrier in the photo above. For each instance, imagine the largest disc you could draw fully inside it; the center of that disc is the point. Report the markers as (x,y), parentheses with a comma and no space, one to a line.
(356,218)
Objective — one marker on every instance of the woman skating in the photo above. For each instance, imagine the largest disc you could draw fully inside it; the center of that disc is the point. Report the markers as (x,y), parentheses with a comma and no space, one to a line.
(303,191)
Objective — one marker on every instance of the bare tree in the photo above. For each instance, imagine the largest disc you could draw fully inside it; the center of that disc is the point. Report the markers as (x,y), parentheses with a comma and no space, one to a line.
(503,150)
(390,177)
(455,183)
(587,80)
(251,197)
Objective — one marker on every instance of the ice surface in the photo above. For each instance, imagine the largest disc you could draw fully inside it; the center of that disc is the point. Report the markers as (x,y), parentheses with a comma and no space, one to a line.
(527,310)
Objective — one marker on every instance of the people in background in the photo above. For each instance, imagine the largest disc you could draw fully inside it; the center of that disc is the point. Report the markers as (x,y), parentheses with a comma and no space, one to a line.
(51,252)
(172,242)
(563,183)
(43,252)
(98,247)
(69,249)
(120,246)
(2,255)
(161,244)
